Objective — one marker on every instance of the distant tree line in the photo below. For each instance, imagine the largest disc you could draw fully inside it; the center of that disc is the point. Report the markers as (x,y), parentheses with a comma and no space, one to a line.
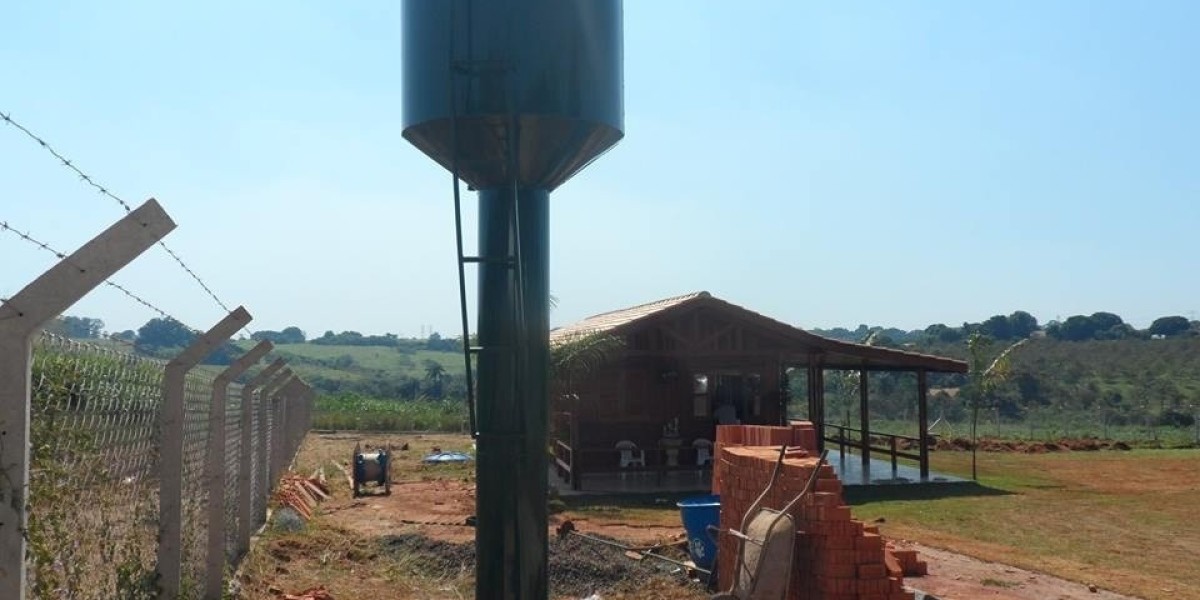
(82,328)
(1020,325)
(165,338)
(434,342)
(289,335)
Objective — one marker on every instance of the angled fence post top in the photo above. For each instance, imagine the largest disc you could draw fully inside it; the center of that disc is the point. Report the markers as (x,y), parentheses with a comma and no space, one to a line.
(294,385)
(247,360)
(265,375)
(277,383)
(65,283)
(46,297)
(204,345)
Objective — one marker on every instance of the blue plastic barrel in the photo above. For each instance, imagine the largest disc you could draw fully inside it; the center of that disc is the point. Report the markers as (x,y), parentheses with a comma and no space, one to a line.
(698,514)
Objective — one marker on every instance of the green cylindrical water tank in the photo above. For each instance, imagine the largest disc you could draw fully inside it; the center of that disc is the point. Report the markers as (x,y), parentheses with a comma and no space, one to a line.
(547,72)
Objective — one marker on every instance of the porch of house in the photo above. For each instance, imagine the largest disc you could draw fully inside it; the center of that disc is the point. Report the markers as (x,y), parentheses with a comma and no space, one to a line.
(586,455)
(587,460)
(850,469)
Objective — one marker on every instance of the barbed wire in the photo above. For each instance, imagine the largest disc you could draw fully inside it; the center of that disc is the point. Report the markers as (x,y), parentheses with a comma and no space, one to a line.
(7,118)
(24,235)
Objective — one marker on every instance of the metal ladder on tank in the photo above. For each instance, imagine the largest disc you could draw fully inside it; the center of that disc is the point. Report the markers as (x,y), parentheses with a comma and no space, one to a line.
(472,68)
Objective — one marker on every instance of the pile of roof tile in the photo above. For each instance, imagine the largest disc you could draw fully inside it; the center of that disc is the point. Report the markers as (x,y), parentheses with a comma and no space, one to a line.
(301,494)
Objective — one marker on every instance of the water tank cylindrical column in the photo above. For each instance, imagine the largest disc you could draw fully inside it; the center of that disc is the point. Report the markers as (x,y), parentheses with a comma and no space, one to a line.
(511,486)
(515,96)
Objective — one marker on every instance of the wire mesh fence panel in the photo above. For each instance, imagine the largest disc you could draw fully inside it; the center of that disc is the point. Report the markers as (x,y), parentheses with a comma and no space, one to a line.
(94,471)
(257,482)
(197,398)
(233,463)
(93,493)
(264,454)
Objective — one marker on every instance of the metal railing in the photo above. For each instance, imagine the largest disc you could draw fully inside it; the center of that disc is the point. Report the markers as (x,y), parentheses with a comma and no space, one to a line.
(884,443)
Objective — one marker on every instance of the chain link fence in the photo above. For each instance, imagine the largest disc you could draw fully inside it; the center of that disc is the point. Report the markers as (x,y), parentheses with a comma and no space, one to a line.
(94,476)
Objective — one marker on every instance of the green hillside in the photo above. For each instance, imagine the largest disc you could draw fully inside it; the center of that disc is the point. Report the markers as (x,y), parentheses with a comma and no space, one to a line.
(1123,381)
(379,371)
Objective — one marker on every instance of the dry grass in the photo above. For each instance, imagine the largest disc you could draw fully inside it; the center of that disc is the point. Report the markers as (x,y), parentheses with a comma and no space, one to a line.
(341,559)
(356,566)
(1122,520)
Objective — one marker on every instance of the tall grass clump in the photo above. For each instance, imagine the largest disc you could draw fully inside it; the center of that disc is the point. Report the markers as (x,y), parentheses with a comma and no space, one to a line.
(92,507)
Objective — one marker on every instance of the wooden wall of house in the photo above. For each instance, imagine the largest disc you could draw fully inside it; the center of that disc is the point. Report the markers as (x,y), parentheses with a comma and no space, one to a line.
(634,397)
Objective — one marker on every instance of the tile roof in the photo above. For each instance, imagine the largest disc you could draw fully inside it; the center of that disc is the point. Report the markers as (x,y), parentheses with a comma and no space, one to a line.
(611,320)
(874,356)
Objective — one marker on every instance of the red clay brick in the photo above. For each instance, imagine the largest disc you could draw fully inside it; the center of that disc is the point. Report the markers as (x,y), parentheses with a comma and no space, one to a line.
(869,541)
(876,571)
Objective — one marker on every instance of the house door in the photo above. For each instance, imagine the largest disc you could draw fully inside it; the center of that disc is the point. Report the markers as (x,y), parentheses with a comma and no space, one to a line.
(739,390)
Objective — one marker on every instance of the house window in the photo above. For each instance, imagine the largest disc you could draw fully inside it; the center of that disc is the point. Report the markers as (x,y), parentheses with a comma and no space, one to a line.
(700,402)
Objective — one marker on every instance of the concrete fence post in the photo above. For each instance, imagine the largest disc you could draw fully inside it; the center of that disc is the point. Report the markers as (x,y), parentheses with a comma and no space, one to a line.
(268,425)
(287,415)
(250,448)
(294,415)
(171,463)
(306,405)
(215,468)
(279,430)
(310,399)
(21,318)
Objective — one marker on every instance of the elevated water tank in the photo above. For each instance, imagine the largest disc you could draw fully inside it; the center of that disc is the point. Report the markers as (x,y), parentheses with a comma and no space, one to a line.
(545,72)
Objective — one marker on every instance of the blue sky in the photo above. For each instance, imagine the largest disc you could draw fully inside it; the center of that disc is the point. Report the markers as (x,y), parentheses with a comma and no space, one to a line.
(827,164)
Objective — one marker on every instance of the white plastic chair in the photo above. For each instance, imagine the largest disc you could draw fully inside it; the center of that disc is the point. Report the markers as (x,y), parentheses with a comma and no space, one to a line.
(630,455)
(703,449)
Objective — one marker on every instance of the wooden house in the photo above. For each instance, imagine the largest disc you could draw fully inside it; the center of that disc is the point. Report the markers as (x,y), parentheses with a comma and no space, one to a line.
(692,361)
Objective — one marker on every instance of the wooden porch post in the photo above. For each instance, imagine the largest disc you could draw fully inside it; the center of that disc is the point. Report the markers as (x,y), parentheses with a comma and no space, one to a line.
(810,379)
(780,376)
(576,463)
(923,417)
(820,418)
(864,415)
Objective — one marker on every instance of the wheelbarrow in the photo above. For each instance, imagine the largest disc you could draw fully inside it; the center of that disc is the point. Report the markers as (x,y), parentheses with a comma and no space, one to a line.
(763,567)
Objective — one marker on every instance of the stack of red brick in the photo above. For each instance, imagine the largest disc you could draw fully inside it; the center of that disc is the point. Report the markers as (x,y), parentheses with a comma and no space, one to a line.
(836,557)
(906,561)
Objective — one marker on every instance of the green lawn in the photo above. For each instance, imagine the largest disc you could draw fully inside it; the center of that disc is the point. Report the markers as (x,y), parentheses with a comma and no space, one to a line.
(1122,520)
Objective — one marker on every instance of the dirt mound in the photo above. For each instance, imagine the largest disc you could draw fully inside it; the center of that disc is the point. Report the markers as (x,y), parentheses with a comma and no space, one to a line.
(578,567)
(430,557)
(962,444)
